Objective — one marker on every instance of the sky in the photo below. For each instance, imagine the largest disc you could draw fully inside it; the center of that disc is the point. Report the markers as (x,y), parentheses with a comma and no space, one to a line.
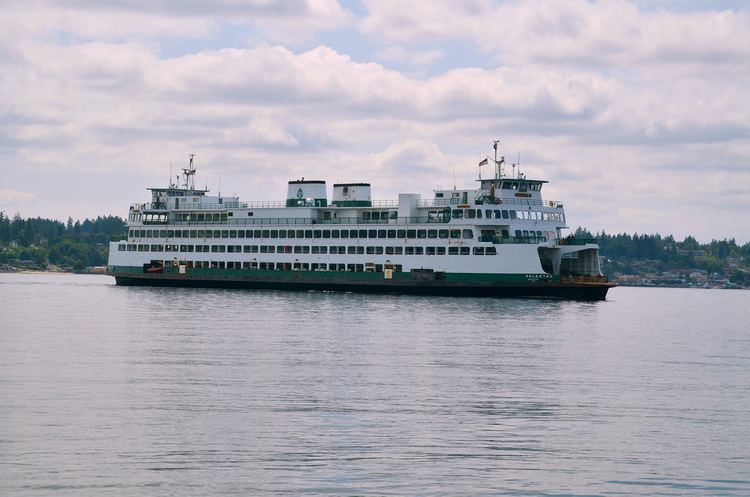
(636,112)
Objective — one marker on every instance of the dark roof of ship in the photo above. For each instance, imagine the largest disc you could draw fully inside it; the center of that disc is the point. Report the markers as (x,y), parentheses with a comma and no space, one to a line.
(351,184)
(307,182)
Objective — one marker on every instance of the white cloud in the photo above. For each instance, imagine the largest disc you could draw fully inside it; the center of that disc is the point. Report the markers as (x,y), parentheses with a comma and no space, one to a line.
(399,54)
(575,32)
(260,132)
(289,21)
(14,198)
(601,98)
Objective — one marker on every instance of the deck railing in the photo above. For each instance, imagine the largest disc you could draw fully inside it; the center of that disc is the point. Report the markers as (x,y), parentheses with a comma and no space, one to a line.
(308,221)
(376,204)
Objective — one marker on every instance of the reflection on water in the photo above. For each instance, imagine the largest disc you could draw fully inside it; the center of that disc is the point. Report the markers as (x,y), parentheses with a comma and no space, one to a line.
(129,391)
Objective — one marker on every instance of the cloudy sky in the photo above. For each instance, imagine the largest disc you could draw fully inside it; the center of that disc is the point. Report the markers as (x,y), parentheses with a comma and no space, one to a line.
(637,112)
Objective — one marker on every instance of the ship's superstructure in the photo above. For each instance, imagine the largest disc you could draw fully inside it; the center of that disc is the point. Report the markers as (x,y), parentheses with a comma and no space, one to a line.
(500,238)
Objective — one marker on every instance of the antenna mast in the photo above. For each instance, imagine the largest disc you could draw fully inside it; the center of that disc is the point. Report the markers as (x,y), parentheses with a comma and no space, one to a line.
(498,163)
(519,163)
(189,174)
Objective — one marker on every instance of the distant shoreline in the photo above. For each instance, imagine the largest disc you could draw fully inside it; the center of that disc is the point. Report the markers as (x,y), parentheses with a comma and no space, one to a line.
(101,271)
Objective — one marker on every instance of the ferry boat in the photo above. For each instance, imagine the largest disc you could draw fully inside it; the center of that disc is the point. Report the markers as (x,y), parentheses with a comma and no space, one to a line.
(498,239)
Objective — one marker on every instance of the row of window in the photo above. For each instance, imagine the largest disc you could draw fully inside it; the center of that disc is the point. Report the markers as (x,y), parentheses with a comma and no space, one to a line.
(367,216)
(161,218)
(323,234)
(508,214)
(304,249)
(288,266)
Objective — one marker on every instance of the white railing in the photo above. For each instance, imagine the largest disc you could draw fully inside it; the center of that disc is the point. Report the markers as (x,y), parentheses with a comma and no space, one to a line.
(376,204)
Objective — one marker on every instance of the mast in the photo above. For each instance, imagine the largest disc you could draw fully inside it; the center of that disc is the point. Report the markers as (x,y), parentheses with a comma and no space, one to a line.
(498,163)
(189,174)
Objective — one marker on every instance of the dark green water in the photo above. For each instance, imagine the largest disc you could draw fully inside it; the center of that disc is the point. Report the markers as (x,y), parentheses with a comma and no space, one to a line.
(118,391)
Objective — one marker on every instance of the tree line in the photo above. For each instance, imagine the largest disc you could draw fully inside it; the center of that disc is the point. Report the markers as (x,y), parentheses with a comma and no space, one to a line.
(73,244)
(621,251)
